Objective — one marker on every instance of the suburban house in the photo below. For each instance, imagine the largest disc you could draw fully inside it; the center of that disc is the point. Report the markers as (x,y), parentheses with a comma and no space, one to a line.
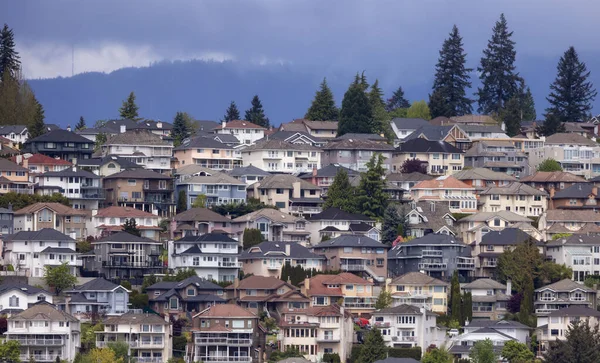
(439,158)
(198,221)
(483,132)
(481,178)
(288,193)
(324,177)
(208,152)
(16,297)
(179,298)
(460,197)
(489,298)
(61,144)
(321,129)
(575,153)
(246,132)
(142,147)
(268,258)
(83,188)
(356,153)
(463,343)
(403,127)
(472,228)
(7,221)
(297,137)
(450,134)
(420,290)
(407,326)
(406,180)
(577,196)
(17,134)
(110,220)
(14,178)
(96,299)
(39,163)
(107,165)
(516,197)
(248,174)
(218,188)
(558,221)
(562,294)
(282,156)
(429,217)
(274,225)
(551,181)
(57,216)
(499,156)
(580,252)
(334,222)
(262,293)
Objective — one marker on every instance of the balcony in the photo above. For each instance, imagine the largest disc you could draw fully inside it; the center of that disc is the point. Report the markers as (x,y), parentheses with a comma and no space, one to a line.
(490,264)
(224,359)
(118,264)
(19,190)
(274,267)
(328,339)
(148,360)
(223,340)
(382,325)
(353,267)
(359,305)
(433,266)
(230,264)
(147,344)
(159,200)
(303,209)
(431,253)
(465,266)
(34,341)
(544,311)
(99,195)
(38,357)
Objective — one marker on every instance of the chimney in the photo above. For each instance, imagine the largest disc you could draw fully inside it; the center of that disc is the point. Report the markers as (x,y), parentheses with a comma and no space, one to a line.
(26,163)
(19,159)
(159,125)
(67,307)
(122,129)
(94,212)
(288,248)
(509,287)
(69,128)
(306,285)
(74,167)
(595,190)
(74,161)
(223,124)
(314,176)
(9,206)
(432,206)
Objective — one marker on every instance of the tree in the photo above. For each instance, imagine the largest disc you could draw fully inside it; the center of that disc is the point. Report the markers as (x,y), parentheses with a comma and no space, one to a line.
(452,77)
(356,115)
(582,345)
(483,352)
(391,221)
(455,299)
(181,128)
(104,355)
(511,116)
(129,109)
(256,114)
(466,313)
(10,62)
(232,113)
(551,126)
(571,94)
(438,355)
(88,334)
(130,227)
(138,300)
(182,201)
(419,109)
(413,166)
(515,352)
(37,126)
(59,277)
(528,106)
(278,355)
(80,125)
(371,199)
(252,237)
(397,101)
(235,210)
(526,301)
(549,165)
(323,106)
(121,350)
(340,193)
(374,348)
(100,141)
(10,351)
(381,120)
(384,300)
(498,77)
(200,201)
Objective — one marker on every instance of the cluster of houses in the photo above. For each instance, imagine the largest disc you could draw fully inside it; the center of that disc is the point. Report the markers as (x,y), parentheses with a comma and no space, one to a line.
(476,195)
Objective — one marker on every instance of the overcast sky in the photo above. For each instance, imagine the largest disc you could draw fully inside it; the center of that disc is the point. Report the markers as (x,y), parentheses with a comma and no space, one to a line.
(397,36)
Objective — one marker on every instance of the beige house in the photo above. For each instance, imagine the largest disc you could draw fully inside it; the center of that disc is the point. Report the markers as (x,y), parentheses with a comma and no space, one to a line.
(56,216)
(258,293)
(321,129)
(286,192)
(575,153)
(461,197)
(14,178)
(472,228)
(489,298)
(268,258)
(274,225)
(557,221)
(419,289)
(208,152)
(439,157)
(514,197)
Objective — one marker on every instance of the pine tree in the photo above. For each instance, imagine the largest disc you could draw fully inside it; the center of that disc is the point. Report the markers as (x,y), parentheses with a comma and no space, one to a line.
(551,125)
(372,200)
(232,113)
(9,58)
(571,93)
(340,193)
(391,221)
(129,109)
(527,301)
(528,106)
(438,105)
(130,227)
(256,114)
(397,101)
(323,106)
(511,116)
(80,125)
(452,77)
(180,129)
(356,115)
(381,120)
(374,348)
(455,298)
(384,300)
(497,69)
(182,201)
(37,127)
(581,345)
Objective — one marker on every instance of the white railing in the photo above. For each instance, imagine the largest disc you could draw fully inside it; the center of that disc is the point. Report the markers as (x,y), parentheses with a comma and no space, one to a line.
(544,311)
(359,305)
(148,360)
(225,359)
(34,341)
(547,298)
(408,339)
(223,340)
(433,266)
(353,267)
(328,338)
(38,357)
(431,253)
(304,209)
(490,264)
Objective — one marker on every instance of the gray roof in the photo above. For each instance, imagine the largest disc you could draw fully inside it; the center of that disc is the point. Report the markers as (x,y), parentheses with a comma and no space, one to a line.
(7,129)
(484,284)
(569,138)
(24,288)
(482,174)
(409,123)
(133,318)
(7,165)
(431,132)
(136,137)
(206,125)
(434,215)
(576,311)
(358,144)
(414,176)
(514,188)
(44,234)
(434,239)
(505,237)
(248,170)
(199,282)
(294,360)
(403,309)
(351,240)
(576,191)
(273,249)
(207,237)
(60,136)
(421,145)
(200,214)
(284,181)
(58,250)
(272,144)
(125,237)
(353,136)
(417,278)
(203,142)
(292,136)
(137,174)
(565,285)
(579,239)
(97,284)
(70,172)
(102,160)
(503,214)
(397,360)
(496,324)
(329,171)
(482,128)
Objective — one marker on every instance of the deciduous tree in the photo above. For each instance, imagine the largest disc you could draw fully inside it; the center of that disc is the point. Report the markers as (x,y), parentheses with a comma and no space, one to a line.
(437,355)
(413,166)
(483,352)
(516,352)
(419,109)
(59,277)
(549,165)
(384,300)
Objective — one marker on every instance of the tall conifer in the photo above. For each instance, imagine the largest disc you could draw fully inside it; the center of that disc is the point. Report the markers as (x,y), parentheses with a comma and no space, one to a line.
(256,114)
(80,125)
(232,113)
(397,101)
(356,115)
(323,106)
(9,57)
(129,109)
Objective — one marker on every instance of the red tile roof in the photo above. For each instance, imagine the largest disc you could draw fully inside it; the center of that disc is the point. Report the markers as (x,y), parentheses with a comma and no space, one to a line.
(258,283)
(318,284)
(39,159)
(226,310)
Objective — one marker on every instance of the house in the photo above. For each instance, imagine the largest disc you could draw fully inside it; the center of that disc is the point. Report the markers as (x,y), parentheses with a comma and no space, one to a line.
(322,129)
(559,295)
(353,293)
(45,333)
(142,189)
(268,258)
(580,252)
(16,297)
(248,174)
(459,196)
(56,216)
(288,193)
(403,127)
(355,253)
(472,228)
(282,156)
(324,177)
(14,178)
(440,158)
(499,156)
(32,251)
(558,221)
(246,132)
(192,295)
(218,188)
(111,219)
(516,197)
(483,132)
(198,221)
(17,134)
(207,152)
(419,290)
(578,196)
(96,299)
(481,178)
(7,221)
(114,127)
(552,181)
(438,255)
(125,256)
(226,333)
(481,120)
(450,134)
(148,336)
(511,328)
(82,187)
(274,225)
(407,326)
(60,144)
(406,180)
(108,165)
(39,163)
(462,344)
(334,222)
(489,298)
(297,137)
(213,256)
(316,331)
(429,217)
(260,293)
(575,153)
(356,153)
(142,147)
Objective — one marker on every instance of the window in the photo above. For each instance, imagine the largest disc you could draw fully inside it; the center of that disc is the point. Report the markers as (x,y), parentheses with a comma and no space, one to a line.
(45,216)
(162,184)
(191,292)
(13,301)
(497,222)
(350,287)
(347,249)
(50,145)
(279,191)
(455,156)
(173,303)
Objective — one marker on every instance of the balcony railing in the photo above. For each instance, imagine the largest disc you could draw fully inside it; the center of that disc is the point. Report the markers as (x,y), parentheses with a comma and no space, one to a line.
(431,253)
(328,339)
(407,339)
(544,311)
(146,344)
(223,340)
(352,267)
(490,263)
(547,298)
(148,360)
(38,357)
(304,209)
(34,341)
(370,305)
(224,359)
(19,190)
(432,266)
(132,264)
(382,325)
(483,309)
(465,266)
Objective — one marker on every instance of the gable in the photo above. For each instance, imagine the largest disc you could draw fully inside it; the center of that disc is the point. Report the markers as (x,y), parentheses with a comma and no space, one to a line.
(457,134)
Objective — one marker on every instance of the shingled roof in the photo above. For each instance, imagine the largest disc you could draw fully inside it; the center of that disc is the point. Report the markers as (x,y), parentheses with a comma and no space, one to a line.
(284,181)
(200,214)
(136,137)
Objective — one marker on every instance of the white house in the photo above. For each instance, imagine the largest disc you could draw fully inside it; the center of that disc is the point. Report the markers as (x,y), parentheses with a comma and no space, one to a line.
(111,219)
(580,252)
(15,297)
(403,127)
(80,186)
(15,133)
(246,132)
(142,147)
(462,344)
(282,156)
(334,222)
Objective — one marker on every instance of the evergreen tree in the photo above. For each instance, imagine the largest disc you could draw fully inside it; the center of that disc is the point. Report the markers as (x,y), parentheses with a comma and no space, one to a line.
(391,221)
(323,106)
(182,201)
(9,58)
(582,345)
(438,105)
(356,115)
(527,301)
(232,113)
(130,227)
(437,355)
(497,69)
(80,125)
(455,298)
(467,312)
(372,200)
(511,116)
(397,101)
(37,127)
(551,125)
(384,300)
(256,114)
(180,129)
(528,106)
(571,94)
(129,109)
(251,237)
(381,120)
(340,193)
(452,77)
(419,109)
(374,348)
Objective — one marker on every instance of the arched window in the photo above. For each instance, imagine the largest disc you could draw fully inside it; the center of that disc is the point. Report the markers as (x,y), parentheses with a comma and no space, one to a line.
(111,166)
(112,221)
(13,301)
